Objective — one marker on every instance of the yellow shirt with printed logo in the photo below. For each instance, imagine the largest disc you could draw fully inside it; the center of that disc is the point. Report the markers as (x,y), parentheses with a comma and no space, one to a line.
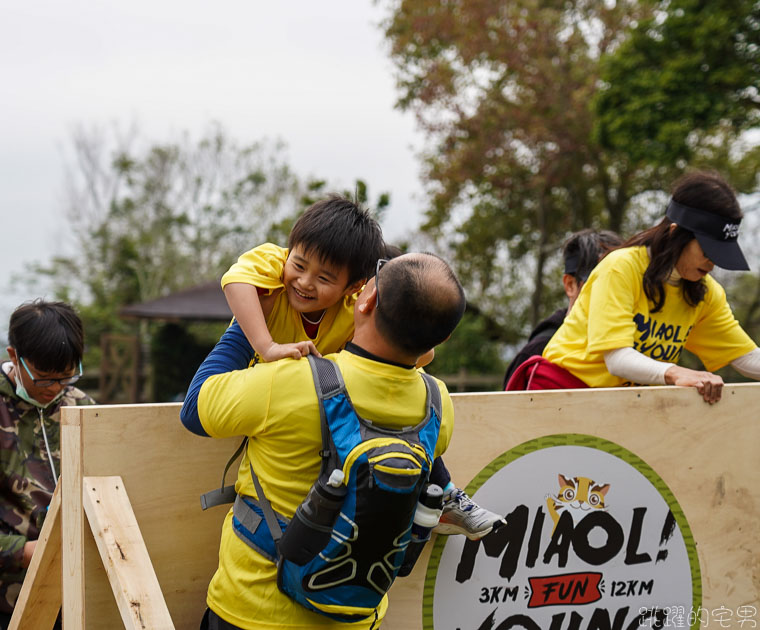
(276,405)
(612,311)
(262,267)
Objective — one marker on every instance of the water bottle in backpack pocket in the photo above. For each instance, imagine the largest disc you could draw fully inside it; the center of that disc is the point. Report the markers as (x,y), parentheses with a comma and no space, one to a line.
(426,517)
(311,527)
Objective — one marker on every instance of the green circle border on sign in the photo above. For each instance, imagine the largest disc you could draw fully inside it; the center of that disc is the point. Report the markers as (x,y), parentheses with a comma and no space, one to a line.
(570,439)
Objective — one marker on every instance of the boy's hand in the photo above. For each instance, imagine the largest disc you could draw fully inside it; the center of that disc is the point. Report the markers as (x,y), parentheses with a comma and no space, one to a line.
(283,350)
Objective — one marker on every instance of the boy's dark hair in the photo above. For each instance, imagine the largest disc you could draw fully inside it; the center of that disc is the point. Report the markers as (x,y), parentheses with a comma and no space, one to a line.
(420,302)
(584,249)
(340,232)
(49,334)
(392,251)
(704,190)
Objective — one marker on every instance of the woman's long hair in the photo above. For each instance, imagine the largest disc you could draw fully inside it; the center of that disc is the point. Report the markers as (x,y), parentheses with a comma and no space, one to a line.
(703,190)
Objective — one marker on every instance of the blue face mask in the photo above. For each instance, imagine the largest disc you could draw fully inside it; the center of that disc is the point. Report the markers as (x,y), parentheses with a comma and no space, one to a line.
(24,395)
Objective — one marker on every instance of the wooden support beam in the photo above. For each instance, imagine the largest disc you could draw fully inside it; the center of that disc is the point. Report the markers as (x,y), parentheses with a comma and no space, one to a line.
(39,601)
(125,557)
(72,518)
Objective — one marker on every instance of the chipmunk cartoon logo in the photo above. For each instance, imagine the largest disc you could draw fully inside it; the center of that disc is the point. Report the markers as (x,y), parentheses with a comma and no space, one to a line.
(578,495)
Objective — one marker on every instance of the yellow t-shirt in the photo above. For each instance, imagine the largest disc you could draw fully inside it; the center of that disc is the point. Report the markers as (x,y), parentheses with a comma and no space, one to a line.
(276,405)
(612,311)
(262,267)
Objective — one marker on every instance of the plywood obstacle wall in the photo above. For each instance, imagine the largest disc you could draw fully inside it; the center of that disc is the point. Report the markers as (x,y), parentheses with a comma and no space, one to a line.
(706,455)
(139,461)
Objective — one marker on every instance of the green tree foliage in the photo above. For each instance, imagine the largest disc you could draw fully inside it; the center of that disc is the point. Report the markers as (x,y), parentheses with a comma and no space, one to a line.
(745,301)
(688,69)
(472,347)
(503,92)
(149,219)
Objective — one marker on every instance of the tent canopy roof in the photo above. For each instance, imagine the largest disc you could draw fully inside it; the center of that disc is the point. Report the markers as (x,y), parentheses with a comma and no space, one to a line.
(203,302)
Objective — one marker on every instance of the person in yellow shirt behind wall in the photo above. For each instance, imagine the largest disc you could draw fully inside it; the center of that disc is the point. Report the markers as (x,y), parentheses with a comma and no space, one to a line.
(647,301)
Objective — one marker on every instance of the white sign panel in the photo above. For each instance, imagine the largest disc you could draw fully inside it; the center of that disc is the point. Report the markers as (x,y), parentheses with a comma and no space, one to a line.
(594,540)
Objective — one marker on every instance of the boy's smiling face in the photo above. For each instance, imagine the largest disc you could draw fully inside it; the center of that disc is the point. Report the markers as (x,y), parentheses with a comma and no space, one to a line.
(313,285)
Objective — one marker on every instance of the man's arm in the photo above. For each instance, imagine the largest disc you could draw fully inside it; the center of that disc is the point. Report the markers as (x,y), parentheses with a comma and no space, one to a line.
(232,352)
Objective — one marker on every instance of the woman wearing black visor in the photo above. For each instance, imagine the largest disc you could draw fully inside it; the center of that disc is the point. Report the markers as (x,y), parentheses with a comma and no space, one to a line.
(647,301)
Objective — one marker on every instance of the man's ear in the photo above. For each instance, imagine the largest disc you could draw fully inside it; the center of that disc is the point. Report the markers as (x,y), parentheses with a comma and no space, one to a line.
(12,353)
(367,299)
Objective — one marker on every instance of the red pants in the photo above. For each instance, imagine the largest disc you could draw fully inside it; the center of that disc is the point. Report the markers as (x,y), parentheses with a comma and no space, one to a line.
(538,373)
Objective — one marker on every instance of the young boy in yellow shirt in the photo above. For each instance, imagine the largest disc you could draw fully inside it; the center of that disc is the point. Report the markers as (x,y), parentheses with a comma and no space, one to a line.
(298,301)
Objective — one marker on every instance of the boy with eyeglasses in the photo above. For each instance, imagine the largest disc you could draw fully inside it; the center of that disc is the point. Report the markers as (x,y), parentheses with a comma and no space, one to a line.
(46,343)
(296,301)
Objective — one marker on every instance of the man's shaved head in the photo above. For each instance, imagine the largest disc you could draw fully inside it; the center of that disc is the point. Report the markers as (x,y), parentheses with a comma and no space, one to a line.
(420,302)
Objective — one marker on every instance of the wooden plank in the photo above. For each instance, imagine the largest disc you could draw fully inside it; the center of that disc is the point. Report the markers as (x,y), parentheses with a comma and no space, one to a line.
(165,469)
(72,521)
(126,560)
(39,600)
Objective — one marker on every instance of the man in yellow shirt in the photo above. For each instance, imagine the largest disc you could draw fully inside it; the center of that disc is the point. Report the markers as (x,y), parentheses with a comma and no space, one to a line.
(413,304)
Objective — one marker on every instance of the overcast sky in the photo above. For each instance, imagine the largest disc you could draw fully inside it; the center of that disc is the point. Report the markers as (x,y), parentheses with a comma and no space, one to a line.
(314,74)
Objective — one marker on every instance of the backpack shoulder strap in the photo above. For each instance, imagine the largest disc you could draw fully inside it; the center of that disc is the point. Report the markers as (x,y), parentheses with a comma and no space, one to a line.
(328,382)
(327,377)
(269,515)
(434,394)
(225,494)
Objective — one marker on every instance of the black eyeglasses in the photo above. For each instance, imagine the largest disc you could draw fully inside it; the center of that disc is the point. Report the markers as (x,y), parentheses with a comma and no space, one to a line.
(380,263)
(48,382)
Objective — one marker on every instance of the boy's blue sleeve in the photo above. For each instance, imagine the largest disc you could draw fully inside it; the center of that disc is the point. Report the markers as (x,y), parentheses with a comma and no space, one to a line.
(232,352)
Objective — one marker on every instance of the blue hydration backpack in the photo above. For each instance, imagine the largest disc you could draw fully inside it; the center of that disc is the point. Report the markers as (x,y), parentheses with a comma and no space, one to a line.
(343,548)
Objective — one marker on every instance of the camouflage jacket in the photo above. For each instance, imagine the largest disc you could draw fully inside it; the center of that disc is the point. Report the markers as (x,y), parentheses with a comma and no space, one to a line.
(26,481)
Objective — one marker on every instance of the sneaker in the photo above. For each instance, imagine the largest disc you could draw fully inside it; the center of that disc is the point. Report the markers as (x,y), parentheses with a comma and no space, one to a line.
(461,515)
